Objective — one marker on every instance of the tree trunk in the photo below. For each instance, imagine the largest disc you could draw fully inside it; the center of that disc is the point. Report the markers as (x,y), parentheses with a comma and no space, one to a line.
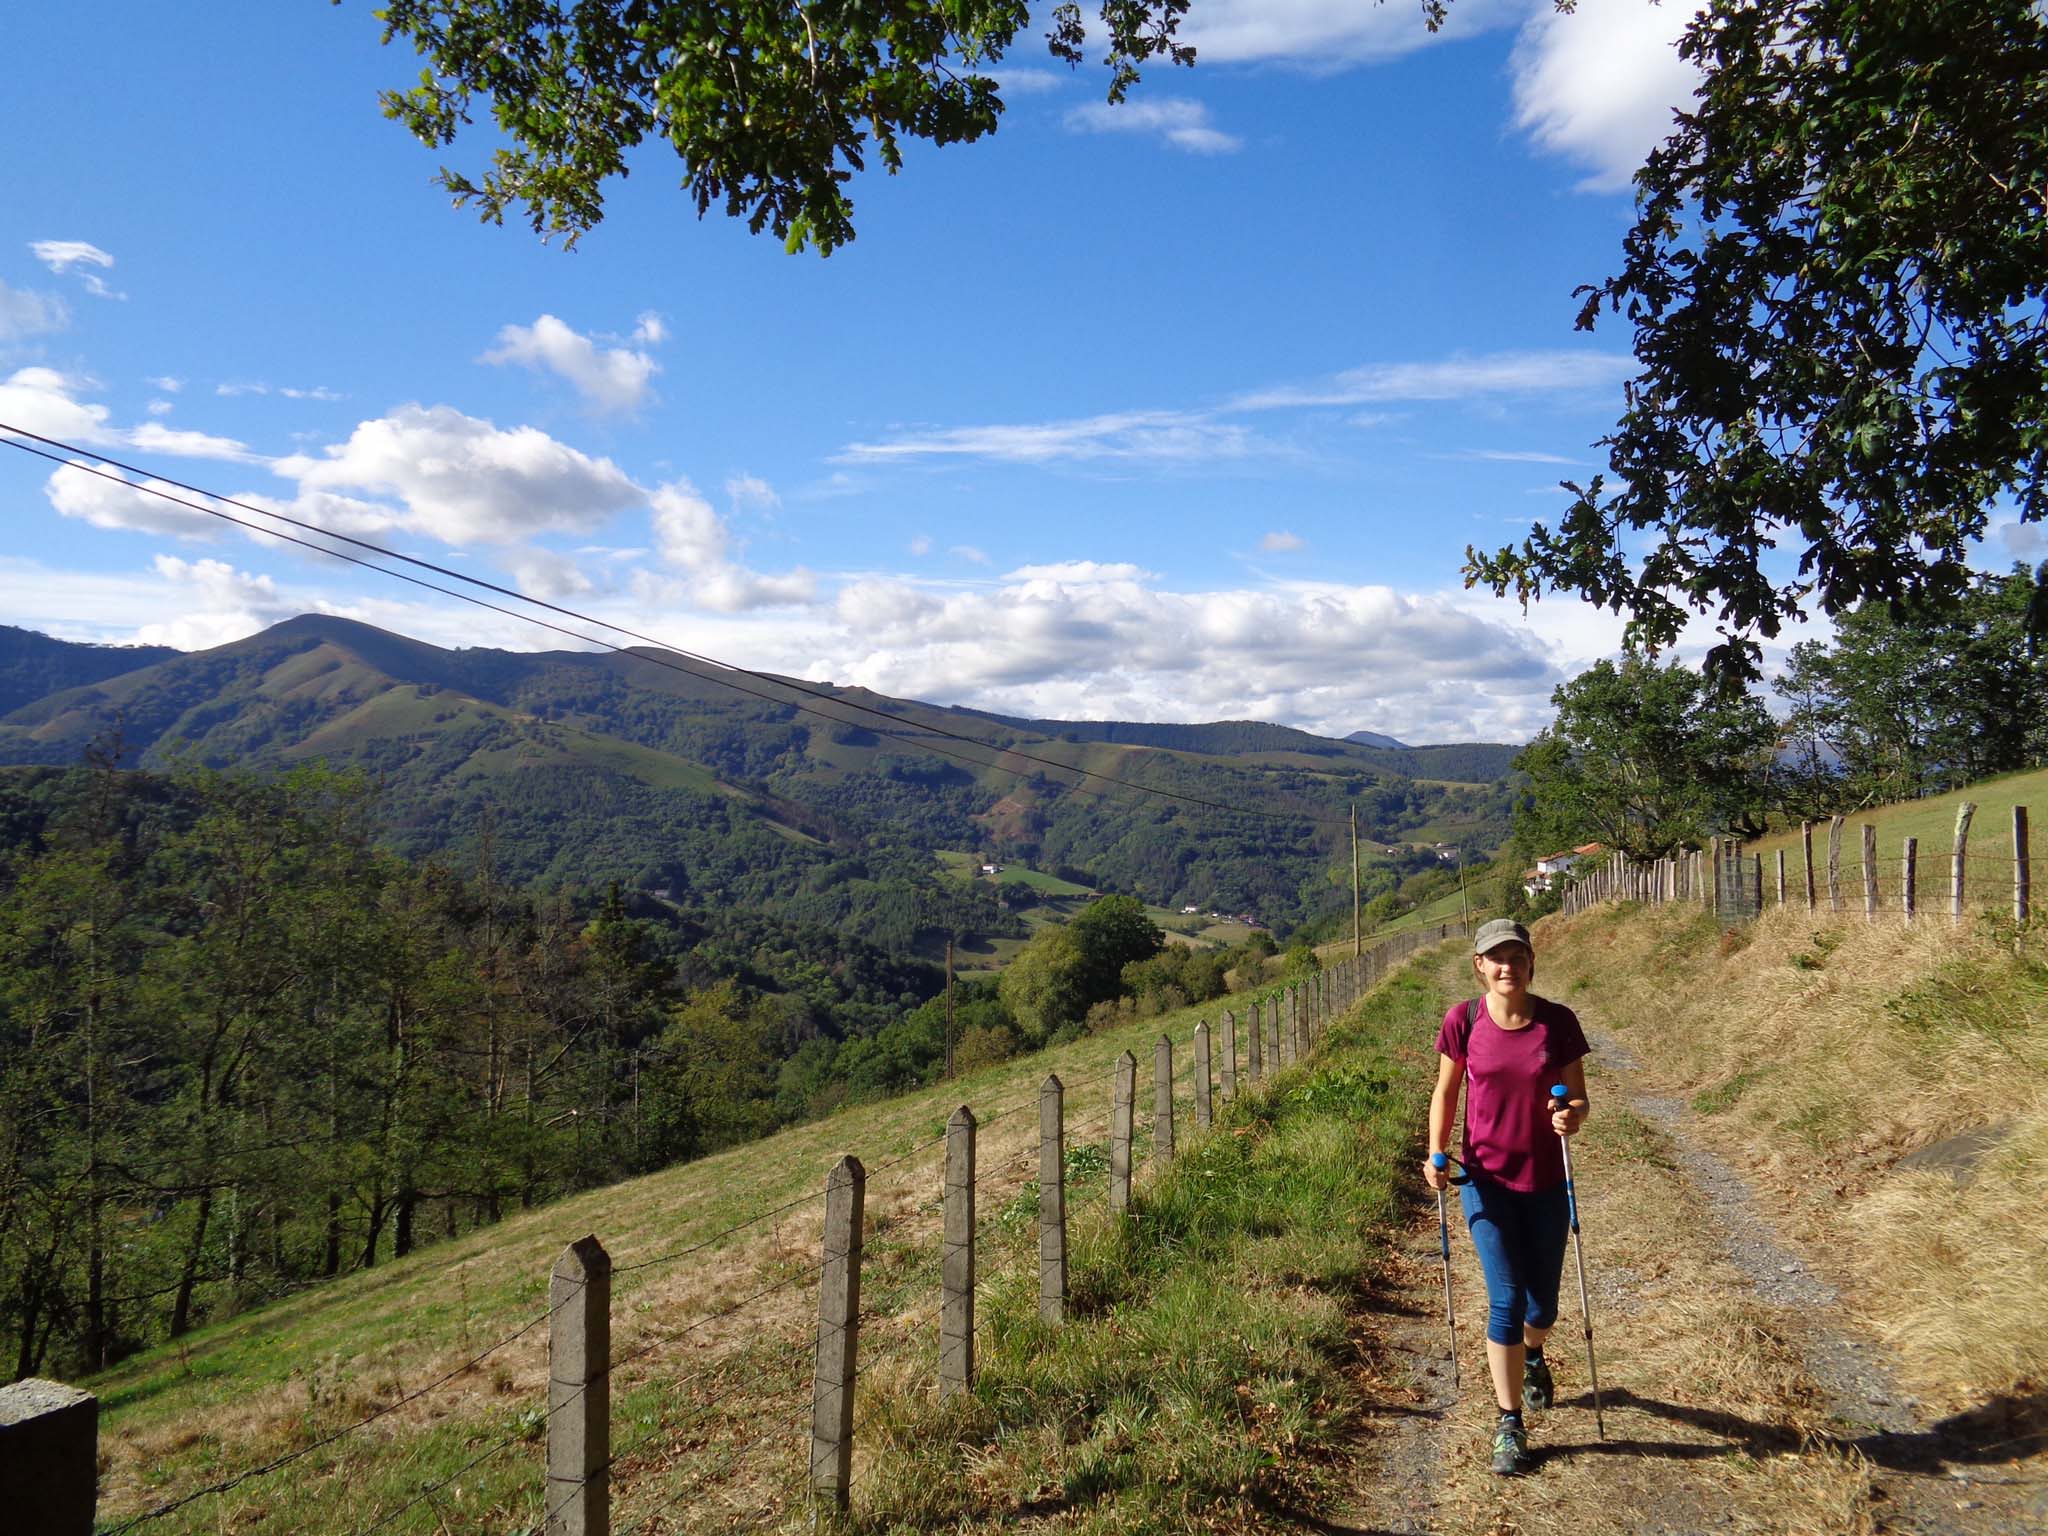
(181,1309)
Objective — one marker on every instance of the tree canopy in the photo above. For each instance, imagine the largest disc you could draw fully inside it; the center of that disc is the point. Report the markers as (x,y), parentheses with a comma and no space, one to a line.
(1836,285)
(771,107)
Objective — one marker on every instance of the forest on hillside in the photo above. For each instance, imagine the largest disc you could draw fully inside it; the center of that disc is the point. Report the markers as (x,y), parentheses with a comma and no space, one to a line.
(245,1047)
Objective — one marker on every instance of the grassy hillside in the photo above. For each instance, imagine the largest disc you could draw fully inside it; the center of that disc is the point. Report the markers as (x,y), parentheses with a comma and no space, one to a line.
(711,1326)
(1888,1086)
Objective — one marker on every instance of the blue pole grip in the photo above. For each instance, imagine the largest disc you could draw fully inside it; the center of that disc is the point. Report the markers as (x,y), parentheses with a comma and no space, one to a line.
(1560,1096)
(1438,1160)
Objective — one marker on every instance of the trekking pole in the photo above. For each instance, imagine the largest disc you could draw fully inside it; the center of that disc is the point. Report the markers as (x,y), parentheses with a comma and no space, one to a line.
(1560,1097)
(1440,1162)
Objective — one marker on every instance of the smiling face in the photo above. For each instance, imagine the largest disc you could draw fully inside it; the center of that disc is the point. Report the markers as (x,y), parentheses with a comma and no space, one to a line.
(1506,969)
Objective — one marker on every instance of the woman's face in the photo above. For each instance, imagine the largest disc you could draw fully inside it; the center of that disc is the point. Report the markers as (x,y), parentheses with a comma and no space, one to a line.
(1506,968)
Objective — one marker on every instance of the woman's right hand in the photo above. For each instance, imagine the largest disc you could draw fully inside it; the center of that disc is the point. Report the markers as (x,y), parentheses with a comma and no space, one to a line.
(1435,1177)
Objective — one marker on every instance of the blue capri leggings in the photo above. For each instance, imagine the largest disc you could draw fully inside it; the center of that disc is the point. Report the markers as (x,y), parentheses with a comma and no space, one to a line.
(1520,1238)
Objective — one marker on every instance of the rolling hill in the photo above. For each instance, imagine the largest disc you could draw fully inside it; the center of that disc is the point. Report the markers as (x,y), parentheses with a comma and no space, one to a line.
(652,769)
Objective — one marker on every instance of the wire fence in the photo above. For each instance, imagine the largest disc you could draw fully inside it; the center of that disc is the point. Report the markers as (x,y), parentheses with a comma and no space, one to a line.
(766,1422)
(1834,870)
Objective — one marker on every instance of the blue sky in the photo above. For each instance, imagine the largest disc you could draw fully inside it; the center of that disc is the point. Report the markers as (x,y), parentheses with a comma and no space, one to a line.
(1183,410)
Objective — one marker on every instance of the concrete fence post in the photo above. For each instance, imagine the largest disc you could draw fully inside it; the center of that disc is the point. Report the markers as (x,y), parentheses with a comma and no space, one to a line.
(1869,872)
(1121,1110)
(1204,1111)
(1781,877)
(1052,1200)
(1960,861)
(578,1485)
(1258,1044)
(1835,863)
(2022,867)
(1910,879)
(838,1334)
(1162,1099)
(1228,1069)
(956,1261)
(49,1457)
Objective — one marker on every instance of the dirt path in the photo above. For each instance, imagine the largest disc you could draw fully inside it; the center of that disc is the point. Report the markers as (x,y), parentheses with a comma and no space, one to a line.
(1736,1397)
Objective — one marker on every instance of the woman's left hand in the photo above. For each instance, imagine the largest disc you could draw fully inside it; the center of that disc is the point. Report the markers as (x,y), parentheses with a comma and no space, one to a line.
(1566,1121)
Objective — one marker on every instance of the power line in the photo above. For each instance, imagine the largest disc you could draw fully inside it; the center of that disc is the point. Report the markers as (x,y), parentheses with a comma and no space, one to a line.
(897,722)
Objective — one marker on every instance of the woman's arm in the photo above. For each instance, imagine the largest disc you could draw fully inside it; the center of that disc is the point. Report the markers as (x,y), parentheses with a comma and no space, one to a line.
(1566,1121)
(1443,1110)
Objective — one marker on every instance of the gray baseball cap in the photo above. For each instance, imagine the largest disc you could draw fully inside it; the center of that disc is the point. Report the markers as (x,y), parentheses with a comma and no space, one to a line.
(1500,930)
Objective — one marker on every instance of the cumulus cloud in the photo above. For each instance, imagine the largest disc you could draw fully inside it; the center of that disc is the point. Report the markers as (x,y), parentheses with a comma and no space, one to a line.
(77,257)
(1181,122)
(1598,85)
(160,407)
(610,379)
(44,401)
(1078,573)
(24,313)
(1330,658)
(463,480)
(693,539)
(165,382)
(222,604)
(650,330)
(76,491)
(549,574)
(1280,541)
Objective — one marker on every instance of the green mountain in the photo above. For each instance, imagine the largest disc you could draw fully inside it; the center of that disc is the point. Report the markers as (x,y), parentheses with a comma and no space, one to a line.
(826,802)
(32,665)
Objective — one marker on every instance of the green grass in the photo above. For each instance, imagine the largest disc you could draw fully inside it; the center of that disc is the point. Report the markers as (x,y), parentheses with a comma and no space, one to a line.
(1199,1381)
(1933,822)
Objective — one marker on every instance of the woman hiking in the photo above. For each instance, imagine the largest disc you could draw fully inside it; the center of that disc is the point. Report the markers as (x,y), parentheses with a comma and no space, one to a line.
(1510,1045)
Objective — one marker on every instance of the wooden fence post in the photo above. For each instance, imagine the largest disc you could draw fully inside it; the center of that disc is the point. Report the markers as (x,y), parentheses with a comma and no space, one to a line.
(838,1334)
(577,1498)
(1910,878)
(49,1457)
(1273,1032)
(1835,863)
(956,1261)
(1756,885)
(1258,1044)
(2022,867)
(1870,872)
(1228,1067)
(1806,842)
(1052,1200)
(1162,1099)
(1960,859)
(1121,1110)
(1204,1112)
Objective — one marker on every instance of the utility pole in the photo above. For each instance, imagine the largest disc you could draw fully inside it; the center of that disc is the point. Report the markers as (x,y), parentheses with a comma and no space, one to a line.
(949,1006)
(1357,933)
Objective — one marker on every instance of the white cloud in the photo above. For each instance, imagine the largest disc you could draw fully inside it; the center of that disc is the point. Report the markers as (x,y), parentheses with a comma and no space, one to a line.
(549,574)
(1319,34)
(1179,436)
(24,313)
(650,330)
(921,545)
(166,383)
(1515,456)
(76,491)
(1455,378)
(691,537)
(1280,541)
(969,553)
(73,256)
(745,491)
(157,438)
(222,604)
(290,392)
(1181,122)
(464,480)
(317,392)
(1028,82)
(1598,85)
(687,531)
(1078,573)
(160,407)
(44,401)
(614,379)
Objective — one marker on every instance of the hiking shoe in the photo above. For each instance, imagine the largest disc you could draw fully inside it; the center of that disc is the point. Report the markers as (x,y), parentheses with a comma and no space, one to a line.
(1510,1451)
(1537,1386)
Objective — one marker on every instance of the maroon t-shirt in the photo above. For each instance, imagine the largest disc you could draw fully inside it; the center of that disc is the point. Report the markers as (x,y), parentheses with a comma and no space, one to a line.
(1508,1076)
